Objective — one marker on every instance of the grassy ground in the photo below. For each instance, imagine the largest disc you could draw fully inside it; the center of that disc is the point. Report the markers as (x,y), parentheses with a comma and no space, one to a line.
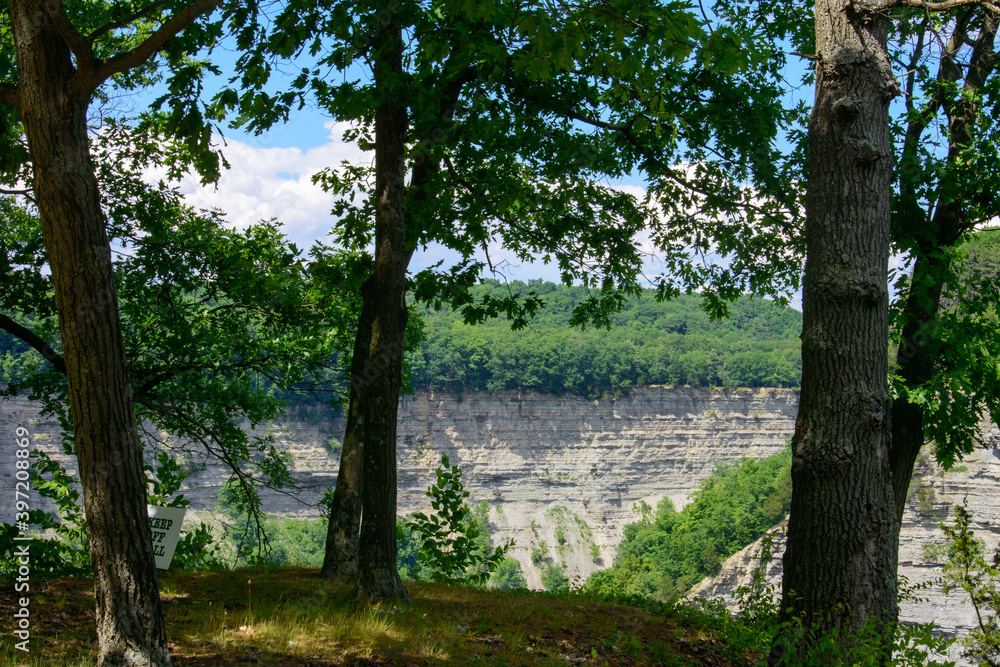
(293,617)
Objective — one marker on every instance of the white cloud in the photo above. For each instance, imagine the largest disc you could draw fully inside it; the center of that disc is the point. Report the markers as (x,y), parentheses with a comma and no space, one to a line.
(508,266)
(265,182)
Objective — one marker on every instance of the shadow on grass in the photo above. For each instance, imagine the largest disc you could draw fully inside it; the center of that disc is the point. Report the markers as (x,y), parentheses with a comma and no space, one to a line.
(294,617)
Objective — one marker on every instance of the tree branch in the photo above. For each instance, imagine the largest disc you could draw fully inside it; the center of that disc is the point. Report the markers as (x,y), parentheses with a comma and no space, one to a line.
(163,374)
(117,25)
(948,72)
(945,5)
(81,47)
(29,337)
(10,95)
(911,76)
(662,167)
(214,444)
(984,56)
(153,43)
(195,429)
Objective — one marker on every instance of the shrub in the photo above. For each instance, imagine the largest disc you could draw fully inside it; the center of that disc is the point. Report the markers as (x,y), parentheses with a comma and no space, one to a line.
(454,541)
(554,578)
(509,575)
(540,553)
(968,571)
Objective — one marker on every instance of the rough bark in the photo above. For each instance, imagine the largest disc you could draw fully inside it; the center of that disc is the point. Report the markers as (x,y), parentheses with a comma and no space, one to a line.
(340,560)
(840,560)
(130,628)
(378,578)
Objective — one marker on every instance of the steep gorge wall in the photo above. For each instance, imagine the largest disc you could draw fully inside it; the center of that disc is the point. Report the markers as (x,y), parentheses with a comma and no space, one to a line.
(563,470)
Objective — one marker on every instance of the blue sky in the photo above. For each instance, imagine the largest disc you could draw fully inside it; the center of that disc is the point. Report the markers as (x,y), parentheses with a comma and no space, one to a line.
(271,177)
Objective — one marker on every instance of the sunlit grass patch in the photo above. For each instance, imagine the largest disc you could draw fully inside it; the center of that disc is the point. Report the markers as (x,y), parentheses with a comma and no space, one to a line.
(295,617)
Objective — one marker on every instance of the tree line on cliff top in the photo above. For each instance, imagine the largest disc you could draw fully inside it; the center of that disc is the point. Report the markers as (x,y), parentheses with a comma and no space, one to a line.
(507,119)
(649,342)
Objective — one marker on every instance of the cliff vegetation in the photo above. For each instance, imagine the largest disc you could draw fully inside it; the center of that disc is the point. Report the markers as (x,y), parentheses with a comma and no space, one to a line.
(666,552)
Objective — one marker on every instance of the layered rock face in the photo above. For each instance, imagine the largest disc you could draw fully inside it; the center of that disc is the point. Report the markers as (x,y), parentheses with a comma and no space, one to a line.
(567,472)
(563,471)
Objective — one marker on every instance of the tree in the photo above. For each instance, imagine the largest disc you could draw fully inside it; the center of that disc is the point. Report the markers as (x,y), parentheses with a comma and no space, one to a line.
(943,380)
(498,97)
(840,561)
(221,325)
(384,370)
(945,362)
(554,578)
(58,70)
(509,575)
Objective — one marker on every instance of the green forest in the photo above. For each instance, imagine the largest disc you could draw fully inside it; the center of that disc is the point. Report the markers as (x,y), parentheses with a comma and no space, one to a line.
(650,342)
(666,552)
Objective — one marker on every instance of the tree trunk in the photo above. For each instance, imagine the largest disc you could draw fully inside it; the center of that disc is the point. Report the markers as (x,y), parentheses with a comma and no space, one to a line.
(341,555)
(340,560)
(932,265)
(840,561)
(378,578)
(915,367)
(130,628)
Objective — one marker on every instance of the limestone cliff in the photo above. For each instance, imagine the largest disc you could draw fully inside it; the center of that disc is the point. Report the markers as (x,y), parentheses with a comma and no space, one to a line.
(561,470)
(568,471)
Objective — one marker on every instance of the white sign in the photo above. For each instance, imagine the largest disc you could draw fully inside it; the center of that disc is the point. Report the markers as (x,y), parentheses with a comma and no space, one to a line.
(165,522)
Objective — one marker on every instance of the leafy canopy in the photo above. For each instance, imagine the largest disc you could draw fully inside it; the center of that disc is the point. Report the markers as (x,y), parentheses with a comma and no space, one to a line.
(519,114)
(219,324)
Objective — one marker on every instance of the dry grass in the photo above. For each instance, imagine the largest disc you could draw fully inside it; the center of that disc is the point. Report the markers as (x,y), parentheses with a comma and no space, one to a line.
(293,617)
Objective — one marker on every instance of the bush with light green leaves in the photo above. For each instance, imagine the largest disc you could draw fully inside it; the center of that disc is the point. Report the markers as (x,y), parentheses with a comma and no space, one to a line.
(452,543)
